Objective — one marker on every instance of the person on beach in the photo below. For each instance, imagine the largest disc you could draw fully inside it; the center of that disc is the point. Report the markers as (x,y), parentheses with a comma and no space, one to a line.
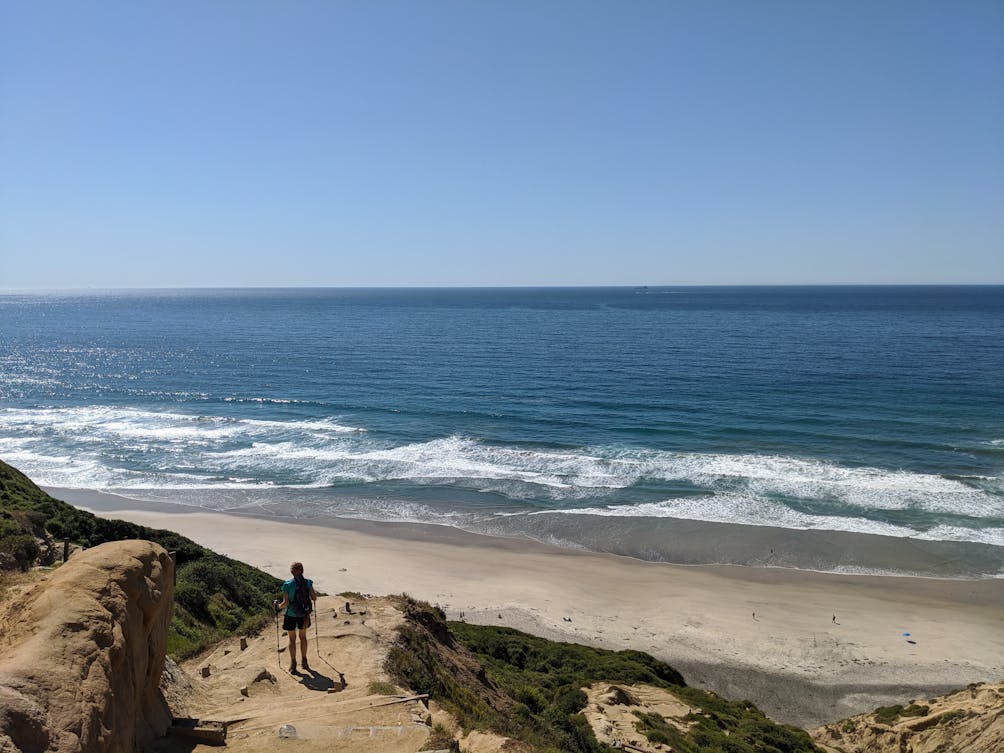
(298,599)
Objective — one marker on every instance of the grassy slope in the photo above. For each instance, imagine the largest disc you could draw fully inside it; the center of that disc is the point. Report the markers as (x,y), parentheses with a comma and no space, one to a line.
(215,596)
(529,688)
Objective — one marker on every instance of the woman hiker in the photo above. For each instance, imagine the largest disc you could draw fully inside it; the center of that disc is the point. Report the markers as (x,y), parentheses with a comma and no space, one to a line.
(298,599)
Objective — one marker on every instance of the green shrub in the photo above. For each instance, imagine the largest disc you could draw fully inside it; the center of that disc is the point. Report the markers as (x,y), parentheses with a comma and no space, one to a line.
(889,714)
(533,698)
(225,615)
(950,716)
(657,730)
(569,699)
(21,548)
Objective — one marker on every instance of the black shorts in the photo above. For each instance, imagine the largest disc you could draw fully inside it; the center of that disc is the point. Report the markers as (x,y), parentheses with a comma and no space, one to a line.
(295,623)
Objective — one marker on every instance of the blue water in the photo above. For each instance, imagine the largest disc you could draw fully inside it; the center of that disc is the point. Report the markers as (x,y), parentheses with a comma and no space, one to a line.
(854,409)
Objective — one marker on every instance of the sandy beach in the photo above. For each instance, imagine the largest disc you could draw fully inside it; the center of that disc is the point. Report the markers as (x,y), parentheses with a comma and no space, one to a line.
(806,647)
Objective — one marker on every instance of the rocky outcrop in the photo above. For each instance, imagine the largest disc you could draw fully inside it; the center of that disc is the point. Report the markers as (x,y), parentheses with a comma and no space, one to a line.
(970,720)
(81,654)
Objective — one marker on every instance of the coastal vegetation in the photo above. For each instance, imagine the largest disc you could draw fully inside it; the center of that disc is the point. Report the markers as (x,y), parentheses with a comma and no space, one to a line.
(215,596)
(531,689)
(889,714)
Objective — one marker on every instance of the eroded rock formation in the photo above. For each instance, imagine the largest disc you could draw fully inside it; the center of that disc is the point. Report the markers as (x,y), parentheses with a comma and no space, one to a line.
(81,654)
(970,720)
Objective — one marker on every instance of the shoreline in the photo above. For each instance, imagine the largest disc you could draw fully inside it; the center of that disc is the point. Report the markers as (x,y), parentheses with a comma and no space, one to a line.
(762,633)
(677,541)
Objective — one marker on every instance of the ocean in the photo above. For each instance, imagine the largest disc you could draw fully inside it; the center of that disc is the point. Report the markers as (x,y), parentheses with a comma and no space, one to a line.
(851,429)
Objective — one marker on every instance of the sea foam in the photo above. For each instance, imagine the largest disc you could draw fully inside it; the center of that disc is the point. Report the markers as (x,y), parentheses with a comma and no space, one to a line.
(116,448)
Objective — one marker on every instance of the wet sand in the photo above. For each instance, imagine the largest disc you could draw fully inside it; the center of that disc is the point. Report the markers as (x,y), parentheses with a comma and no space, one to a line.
(763,634)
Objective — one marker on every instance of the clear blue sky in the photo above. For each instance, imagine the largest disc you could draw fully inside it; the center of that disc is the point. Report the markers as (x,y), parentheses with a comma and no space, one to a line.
(500,143)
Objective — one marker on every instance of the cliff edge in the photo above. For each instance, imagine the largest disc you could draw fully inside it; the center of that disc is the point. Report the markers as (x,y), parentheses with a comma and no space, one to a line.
(82,651)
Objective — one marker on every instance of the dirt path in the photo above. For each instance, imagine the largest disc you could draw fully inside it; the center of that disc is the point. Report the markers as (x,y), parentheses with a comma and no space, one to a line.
(342,703)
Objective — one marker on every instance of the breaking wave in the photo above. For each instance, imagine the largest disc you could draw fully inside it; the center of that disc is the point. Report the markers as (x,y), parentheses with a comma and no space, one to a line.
(120,448)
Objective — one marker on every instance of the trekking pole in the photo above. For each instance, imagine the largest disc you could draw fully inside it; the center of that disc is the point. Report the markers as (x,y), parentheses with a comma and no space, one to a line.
(275,614)
(317,640)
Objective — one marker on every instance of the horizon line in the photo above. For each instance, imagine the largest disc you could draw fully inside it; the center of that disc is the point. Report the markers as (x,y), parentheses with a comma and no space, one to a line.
(540,286)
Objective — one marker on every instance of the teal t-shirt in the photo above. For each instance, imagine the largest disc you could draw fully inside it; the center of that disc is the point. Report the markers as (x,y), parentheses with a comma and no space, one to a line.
(289,588)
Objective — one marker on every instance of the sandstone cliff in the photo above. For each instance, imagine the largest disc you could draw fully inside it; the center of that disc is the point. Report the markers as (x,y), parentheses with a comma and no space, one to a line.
(970,720)
(81,654)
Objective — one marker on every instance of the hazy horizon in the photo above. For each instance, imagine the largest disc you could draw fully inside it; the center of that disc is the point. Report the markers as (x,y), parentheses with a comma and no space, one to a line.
(543,286)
